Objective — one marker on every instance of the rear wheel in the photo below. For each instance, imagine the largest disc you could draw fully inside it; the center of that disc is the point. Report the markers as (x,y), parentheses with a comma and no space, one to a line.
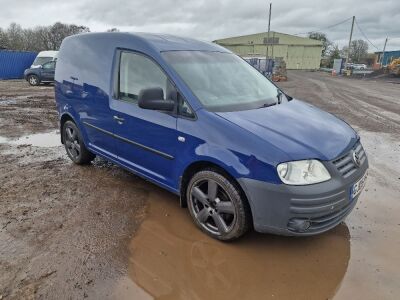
(217,207)
(74,145)
(33,80)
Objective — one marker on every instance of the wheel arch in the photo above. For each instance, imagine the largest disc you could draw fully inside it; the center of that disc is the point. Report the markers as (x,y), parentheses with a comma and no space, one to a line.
(64,118)
(200,165)
(29,74)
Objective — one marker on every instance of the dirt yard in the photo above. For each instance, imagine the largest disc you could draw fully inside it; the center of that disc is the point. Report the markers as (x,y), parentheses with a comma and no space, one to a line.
(99,232)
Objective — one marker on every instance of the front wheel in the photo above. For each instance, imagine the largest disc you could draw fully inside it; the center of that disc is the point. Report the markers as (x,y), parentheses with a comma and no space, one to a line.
(74,145)
(217,207)
(33,80)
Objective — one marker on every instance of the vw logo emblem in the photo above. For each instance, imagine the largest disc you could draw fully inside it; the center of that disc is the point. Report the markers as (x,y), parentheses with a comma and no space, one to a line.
(356,159)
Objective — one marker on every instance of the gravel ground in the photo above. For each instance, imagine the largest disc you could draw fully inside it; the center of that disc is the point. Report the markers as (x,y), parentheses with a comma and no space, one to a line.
(99,232)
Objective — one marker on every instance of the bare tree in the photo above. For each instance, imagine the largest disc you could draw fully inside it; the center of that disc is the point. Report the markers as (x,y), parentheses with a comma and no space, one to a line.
(320,36)
(358,51)
(3,39)
(39,38)
(15,37)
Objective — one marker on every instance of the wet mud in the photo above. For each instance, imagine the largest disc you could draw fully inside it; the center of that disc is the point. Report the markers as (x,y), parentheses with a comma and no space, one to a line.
(172,259)
(46,139)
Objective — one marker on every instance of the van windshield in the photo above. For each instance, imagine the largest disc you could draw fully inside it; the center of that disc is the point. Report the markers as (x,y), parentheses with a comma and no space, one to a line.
(41,60)
(222,81)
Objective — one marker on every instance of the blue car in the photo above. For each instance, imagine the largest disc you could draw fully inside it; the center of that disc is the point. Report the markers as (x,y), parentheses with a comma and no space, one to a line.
(42,74)
(197,120)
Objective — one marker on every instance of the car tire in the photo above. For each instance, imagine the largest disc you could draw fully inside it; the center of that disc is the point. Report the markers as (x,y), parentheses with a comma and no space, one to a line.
(33,80)
(217,206)
(74,145)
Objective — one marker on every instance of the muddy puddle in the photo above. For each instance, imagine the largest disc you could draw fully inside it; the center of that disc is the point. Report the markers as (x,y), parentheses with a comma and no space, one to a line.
(172,259)
(46,139)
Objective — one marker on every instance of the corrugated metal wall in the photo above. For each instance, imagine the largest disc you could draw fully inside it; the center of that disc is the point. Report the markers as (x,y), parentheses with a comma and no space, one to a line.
(14,63)
(389,56)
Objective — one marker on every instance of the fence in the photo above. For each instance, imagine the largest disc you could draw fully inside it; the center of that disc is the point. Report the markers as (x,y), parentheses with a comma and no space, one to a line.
(13,63)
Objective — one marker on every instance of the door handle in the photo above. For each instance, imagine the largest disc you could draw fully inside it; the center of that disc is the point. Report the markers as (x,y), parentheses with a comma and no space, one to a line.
(118,119)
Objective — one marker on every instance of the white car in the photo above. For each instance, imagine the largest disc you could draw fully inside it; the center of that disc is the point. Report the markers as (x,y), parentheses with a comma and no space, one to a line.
(360,66)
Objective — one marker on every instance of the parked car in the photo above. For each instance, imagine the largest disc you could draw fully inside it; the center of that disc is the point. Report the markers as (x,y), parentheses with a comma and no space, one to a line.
(359,66)
(197,120)
(348,65)
(43,74)
(44,57)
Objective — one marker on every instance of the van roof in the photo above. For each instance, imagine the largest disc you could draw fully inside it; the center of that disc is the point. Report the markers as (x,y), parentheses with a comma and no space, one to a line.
(159,42)
(50,53)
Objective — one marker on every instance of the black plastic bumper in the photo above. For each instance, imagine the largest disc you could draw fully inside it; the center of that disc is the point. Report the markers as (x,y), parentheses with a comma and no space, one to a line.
(276,208)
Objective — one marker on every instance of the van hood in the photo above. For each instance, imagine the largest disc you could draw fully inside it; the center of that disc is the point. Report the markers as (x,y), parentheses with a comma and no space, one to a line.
(300,130)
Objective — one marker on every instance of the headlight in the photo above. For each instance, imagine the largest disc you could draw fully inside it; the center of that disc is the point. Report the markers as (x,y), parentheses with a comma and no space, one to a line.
(303,172)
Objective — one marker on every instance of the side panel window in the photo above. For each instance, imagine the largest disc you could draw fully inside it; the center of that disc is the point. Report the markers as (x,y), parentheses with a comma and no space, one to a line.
(138,72)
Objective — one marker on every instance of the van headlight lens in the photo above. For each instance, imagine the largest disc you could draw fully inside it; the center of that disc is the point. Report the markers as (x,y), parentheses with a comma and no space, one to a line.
(303,172)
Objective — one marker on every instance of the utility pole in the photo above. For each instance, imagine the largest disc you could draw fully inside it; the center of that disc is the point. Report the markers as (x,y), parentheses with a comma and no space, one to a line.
(351,35)
(383,52)
(269,28)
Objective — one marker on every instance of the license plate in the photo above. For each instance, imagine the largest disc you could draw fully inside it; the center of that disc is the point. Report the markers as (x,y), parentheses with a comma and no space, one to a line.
(358,186)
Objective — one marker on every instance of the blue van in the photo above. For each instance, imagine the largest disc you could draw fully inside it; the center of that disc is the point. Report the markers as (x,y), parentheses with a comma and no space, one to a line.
(197,120)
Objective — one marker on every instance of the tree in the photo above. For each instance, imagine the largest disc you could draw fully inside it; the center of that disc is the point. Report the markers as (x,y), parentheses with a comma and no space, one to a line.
(3,39)
(59,31)
(113,30)
(39,38)
(320,36)
(358,51)
(333,54)
(15,37)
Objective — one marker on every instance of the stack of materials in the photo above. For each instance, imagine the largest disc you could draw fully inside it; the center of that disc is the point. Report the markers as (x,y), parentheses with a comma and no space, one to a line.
(279,70)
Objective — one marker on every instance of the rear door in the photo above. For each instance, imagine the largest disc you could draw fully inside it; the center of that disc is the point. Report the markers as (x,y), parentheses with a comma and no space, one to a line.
(145,140)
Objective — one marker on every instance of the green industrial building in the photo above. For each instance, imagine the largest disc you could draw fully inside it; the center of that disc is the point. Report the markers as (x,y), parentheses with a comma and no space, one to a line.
(297,52)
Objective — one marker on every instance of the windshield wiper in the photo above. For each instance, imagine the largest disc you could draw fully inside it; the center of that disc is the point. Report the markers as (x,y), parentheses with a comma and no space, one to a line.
(268,104)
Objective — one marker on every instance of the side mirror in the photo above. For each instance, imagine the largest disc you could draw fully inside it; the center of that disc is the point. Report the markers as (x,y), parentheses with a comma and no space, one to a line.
(153,98)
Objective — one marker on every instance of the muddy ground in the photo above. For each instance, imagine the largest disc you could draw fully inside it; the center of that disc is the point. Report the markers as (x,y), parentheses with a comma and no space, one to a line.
(98,232)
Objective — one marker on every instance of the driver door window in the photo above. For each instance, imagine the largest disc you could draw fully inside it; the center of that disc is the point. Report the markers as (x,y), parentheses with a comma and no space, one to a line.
(49,65)
(138,72)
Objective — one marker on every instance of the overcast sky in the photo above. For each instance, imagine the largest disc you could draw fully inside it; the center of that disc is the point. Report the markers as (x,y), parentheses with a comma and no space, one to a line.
(210,20)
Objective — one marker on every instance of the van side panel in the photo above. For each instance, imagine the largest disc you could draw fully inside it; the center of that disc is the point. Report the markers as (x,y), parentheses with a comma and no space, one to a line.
(82,88)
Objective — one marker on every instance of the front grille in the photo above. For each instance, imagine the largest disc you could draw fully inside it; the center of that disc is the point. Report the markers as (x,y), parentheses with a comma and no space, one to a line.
(345,163)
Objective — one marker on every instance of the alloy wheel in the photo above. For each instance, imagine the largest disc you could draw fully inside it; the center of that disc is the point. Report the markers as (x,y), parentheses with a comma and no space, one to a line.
(212,206)
(72,143)
(33,80)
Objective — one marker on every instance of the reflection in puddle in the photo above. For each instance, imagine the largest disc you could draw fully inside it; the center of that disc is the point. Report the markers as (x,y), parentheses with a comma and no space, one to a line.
(48,139)
(172,259)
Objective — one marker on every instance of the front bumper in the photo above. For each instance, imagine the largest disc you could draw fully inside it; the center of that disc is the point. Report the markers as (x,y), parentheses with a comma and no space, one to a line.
(280,208)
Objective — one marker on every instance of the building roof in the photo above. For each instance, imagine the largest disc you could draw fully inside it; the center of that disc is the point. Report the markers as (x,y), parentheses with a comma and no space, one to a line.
(258,39)
(389,52)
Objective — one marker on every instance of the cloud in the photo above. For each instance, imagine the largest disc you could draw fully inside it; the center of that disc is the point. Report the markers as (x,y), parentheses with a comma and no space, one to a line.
(211,20)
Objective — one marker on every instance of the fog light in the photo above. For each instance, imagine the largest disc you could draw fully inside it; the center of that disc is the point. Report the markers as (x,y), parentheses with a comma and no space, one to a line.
(299,225)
